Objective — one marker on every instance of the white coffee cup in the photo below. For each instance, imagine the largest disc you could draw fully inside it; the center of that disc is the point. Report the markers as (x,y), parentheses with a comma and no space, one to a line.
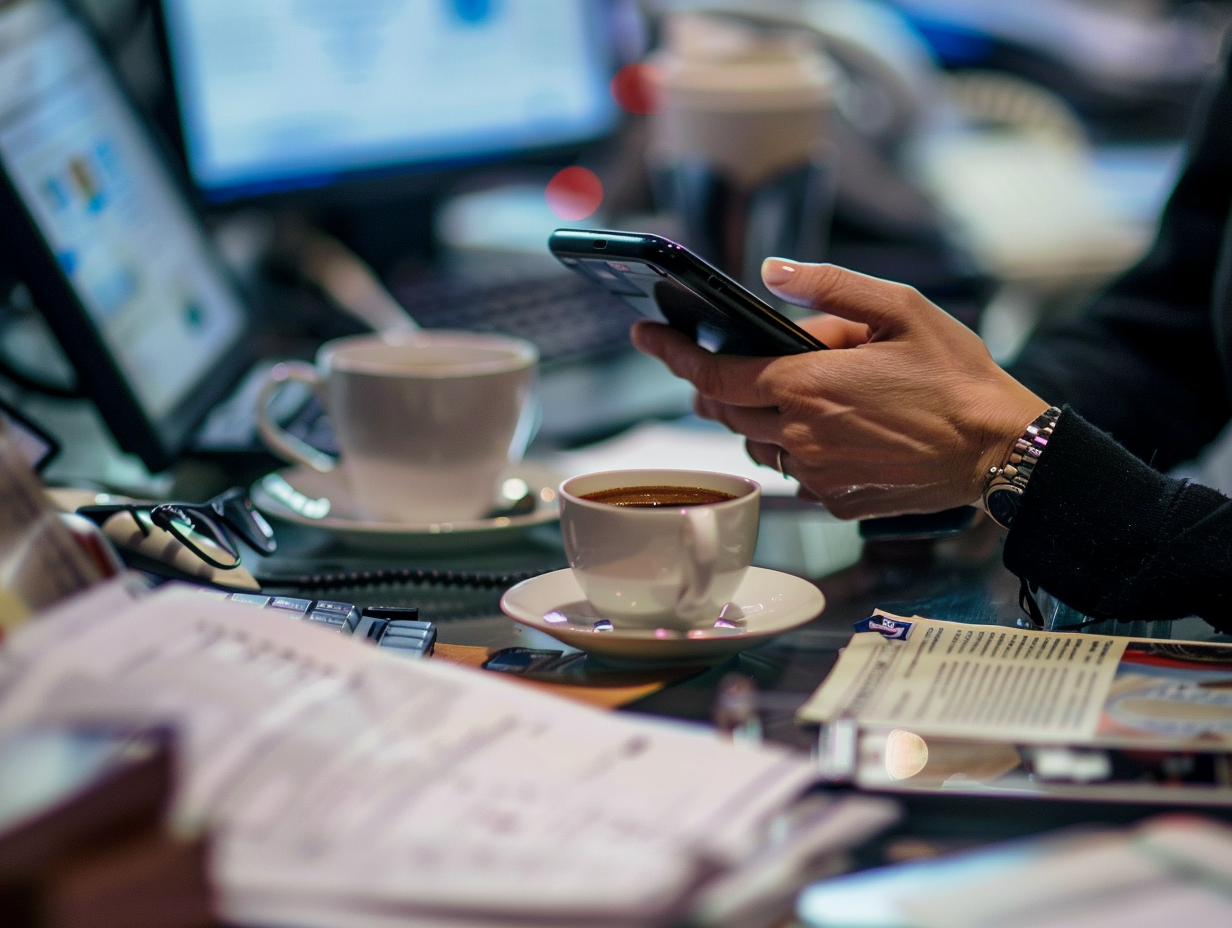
(426,422)
(672,566)
(749,103)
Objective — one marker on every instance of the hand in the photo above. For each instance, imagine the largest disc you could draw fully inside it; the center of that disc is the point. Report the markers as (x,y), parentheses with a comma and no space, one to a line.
(906,413)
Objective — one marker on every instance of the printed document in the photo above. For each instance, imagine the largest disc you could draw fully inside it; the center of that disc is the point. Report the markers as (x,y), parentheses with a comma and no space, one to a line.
(989,682)
(342,781)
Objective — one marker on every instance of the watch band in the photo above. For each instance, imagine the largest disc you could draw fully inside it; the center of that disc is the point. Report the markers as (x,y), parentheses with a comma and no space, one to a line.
(1006,484)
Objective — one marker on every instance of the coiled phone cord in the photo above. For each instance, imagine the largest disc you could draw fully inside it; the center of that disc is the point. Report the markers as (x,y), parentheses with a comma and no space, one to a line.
(481,579)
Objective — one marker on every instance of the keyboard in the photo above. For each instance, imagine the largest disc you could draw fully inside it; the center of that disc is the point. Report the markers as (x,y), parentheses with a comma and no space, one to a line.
(397,630)
(565,315)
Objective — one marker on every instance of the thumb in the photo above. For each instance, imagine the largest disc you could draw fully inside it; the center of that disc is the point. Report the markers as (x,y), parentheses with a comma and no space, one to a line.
(828,288)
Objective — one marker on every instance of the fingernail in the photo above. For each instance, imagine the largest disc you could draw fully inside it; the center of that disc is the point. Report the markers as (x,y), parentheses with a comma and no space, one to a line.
(777,271)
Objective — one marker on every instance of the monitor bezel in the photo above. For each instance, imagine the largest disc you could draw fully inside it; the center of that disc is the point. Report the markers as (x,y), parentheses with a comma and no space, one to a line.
(158,442)
(395,179)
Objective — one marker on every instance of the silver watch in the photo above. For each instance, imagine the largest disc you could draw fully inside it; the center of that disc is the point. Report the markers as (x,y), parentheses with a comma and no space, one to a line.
(1006,484)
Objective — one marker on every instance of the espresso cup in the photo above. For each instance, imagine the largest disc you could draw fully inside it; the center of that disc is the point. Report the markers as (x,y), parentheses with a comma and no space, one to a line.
(426,423)
(673,565)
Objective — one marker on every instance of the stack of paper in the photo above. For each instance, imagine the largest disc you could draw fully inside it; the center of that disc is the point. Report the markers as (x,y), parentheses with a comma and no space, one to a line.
(346,787)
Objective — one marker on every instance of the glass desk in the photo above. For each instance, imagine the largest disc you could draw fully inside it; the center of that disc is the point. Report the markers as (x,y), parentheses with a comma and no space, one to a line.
(959,577)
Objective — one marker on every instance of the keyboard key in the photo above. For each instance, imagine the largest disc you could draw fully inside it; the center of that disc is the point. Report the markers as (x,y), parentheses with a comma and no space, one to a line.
(398,613)
(325,605)
(250,599)
(332,619)
(414,625)
(370,628)
(405,649)
(290,605)
(391,634)
(347,611)
(410,639)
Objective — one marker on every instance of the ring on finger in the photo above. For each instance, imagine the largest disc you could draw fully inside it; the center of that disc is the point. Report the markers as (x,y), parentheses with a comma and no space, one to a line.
(778,462)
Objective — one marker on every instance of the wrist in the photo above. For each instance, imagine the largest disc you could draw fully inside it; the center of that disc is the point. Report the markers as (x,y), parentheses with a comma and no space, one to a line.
(1011,420)
(1007,482)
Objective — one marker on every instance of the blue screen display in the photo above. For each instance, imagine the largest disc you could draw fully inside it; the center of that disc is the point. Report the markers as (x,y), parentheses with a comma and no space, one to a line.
(280,94)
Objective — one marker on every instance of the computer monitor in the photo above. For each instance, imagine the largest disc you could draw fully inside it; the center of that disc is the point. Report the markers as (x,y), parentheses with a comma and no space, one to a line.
(280,95)
(106,239)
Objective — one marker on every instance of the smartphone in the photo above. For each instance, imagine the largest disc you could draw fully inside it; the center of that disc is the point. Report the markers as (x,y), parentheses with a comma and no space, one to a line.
(666,282)
(920,525)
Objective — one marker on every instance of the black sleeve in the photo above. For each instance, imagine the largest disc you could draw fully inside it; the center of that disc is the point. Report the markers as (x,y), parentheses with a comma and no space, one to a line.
(1113,538)
(1142,363)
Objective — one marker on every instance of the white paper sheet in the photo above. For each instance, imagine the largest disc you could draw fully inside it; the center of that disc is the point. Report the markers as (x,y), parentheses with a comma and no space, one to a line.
(977,681)
(338,776)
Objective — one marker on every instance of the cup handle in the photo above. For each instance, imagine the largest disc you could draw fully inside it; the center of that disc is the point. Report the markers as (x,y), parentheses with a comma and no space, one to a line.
(701,541)
(278,439)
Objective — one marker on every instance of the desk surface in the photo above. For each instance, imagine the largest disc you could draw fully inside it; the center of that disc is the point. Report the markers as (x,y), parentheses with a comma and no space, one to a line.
(959,578)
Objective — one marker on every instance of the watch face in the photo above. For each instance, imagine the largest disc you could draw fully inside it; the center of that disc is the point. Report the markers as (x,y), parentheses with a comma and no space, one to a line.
(1002,504)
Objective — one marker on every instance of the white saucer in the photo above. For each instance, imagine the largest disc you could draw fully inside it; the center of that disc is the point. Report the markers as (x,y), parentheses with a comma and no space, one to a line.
(767,603)
(306,497)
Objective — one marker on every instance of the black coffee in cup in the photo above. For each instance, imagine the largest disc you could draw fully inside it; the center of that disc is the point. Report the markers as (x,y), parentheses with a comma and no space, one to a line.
(653,497)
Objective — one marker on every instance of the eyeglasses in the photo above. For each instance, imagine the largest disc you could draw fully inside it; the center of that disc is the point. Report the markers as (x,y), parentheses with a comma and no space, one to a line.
(206,529)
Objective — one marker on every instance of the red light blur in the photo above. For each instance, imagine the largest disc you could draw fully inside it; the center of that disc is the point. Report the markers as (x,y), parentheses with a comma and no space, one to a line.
(633,90)
(574,193)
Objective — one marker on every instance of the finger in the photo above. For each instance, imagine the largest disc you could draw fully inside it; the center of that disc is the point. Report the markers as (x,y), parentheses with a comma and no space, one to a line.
(834,331)
(829,288)
(760,424)
(764,453)
(739,381)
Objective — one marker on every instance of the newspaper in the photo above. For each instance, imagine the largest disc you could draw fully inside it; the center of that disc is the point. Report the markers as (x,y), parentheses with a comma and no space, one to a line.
(347,787)
(989,682)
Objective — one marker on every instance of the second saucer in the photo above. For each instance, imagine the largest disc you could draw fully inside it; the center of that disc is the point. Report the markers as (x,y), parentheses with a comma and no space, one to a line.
(767,603)
(325,502)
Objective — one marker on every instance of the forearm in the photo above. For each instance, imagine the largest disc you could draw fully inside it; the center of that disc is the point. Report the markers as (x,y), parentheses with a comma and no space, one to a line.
(1113,538)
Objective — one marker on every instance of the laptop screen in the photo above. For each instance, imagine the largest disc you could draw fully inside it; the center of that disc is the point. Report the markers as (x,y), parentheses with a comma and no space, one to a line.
(279,94)
(124,238)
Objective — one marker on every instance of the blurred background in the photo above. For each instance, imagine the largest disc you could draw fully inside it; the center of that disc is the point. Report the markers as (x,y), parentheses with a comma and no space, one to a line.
(1005,158)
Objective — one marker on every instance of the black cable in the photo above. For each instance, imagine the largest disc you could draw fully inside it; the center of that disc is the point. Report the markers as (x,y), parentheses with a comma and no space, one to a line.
(480,579)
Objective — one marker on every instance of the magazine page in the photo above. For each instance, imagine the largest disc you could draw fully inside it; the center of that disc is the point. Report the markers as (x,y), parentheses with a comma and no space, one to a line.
(1011,685)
